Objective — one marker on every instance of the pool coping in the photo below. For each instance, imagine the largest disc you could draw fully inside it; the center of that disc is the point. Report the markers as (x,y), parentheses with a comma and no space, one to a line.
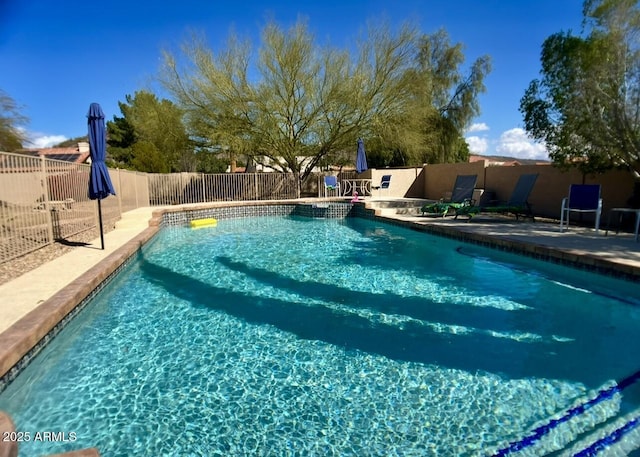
(24,339)
(20,339)
(573,258)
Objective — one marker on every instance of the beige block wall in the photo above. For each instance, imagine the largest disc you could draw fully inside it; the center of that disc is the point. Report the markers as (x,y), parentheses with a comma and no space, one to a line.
(440,178)
(546,197)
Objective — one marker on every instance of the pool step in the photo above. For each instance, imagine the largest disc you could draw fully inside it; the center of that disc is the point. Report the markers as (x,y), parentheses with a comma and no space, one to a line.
(386,207)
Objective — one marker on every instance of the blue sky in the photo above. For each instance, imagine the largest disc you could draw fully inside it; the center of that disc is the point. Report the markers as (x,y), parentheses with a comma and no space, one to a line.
(57,57)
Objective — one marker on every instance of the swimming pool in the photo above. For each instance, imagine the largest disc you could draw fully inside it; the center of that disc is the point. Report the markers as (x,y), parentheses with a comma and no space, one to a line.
(299,336)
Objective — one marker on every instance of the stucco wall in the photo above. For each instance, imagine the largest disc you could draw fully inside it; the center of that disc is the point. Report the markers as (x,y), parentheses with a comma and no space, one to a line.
(405,182)
(546,197)
(439,179)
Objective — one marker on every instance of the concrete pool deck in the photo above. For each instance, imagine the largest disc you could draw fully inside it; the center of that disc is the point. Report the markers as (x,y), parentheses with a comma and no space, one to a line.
(35,302)
(579,246)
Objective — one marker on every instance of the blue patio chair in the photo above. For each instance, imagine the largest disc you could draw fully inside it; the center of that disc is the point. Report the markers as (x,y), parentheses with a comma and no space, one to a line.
(583,198)
(385,183)
(518,203)
(461,196)
(331,184)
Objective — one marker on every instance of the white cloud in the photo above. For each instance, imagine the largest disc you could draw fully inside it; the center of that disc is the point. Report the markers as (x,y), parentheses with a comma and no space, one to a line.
(45,141)
(516,143)
(477,145)
(478,127)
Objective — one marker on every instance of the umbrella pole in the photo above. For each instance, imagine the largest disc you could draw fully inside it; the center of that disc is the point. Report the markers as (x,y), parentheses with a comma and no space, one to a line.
(100,223)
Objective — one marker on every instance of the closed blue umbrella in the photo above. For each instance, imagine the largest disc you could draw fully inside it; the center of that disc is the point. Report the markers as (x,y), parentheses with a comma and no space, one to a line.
(361,157)
(99,181)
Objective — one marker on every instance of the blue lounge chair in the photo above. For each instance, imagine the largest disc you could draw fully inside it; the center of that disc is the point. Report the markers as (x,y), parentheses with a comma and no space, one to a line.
(461,196)
(331,184)
(583,198)
(518,203)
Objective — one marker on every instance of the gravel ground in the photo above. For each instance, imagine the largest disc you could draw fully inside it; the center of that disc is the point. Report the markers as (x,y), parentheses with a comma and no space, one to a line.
(21,265)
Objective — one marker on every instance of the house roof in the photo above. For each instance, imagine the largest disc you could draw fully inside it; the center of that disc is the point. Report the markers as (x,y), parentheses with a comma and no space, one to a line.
(78,154)
(494,160)
(506,161)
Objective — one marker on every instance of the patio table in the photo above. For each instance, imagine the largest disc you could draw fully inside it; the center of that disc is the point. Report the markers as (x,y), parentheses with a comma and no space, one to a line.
(621,212)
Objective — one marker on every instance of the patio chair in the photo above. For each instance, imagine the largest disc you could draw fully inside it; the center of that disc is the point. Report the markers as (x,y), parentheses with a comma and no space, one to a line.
(385,183)
(518,203)
(461,196)
(331,184)
(583,198)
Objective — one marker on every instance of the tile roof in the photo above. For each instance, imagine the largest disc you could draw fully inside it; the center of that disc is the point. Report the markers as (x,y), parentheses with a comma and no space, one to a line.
(76,154)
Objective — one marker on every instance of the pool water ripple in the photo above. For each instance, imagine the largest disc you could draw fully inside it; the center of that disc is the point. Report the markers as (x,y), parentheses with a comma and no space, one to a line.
(279,336)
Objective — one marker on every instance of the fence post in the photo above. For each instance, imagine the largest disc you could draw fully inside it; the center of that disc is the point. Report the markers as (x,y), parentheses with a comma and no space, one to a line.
(204,189)
(47,204)
(135,188)
(119,193)
(181,189)
(255,186)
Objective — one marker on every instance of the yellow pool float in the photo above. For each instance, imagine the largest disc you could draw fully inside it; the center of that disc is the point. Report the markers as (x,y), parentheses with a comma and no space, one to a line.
(201,223)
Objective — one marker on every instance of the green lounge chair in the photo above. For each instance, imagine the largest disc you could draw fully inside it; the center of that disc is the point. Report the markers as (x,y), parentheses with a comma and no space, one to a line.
(461,197)
(518,203)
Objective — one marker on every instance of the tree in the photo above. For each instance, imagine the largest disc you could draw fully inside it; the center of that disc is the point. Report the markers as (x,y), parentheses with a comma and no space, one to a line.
(147,157)
(299,103)
(586,105)
(121,138)
(12,133)
(150,120)
(444,101)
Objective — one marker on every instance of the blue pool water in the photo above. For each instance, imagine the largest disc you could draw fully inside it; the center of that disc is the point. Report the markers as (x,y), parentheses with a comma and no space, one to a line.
(297,336)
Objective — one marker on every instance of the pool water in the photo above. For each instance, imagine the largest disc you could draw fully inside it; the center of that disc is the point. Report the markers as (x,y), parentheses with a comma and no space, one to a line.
(297,336)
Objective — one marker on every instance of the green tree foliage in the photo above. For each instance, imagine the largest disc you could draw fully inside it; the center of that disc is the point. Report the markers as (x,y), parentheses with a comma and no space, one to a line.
(444,102)
(209,162)
(120,140)
(306,103)
(146,119)
(147,157)
(12,133)
(586,105)
(297,105)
